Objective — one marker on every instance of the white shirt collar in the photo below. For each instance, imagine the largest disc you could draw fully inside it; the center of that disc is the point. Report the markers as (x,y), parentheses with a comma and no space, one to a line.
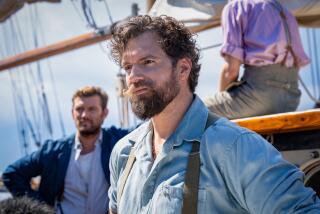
(78,146)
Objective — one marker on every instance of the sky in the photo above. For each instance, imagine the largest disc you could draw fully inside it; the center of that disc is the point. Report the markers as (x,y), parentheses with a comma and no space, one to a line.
(90,65)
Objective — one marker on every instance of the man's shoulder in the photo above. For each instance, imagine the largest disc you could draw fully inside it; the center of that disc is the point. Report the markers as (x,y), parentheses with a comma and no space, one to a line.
(115,132)
(124,145)
(223,133)
(58,144)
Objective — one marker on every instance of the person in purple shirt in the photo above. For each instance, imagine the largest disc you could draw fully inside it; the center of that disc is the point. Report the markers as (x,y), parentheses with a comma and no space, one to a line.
(263,36)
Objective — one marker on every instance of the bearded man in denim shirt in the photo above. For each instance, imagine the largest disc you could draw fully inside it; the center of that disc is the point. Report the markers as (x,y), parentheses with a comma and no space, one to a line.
(239,171)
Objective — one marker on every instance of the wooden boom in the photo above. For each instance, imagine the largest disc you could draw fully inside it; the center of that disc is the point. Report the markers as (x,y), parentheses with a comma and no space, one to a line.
(284,122)
(72,44)
(54,49)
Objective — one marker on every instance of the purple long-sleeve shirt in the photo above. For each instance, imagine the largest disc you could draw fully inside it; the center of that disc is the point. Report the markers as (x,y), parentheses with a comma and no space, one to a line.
(253,32)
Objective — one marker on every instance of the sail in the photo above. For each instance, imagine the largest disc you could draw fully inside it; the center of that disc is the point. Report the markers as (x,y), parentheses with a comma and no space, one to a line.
(9,7)
(307,12)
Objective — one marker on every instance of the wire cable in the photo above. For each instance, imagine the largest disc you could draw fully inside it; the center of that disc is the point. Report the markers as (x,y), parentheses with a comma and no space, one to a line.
(312,69)
(210,47)
(108,10)
(316,62)
(25,72)
(308,92)
(77,11)
(88,14)
(45,105)
(19,94)
(53,83)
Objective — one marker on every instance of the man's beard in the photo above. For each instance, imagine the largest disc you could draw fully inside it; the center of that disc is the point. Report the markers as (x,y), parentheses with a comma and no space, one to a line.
(93,130)
(156,99)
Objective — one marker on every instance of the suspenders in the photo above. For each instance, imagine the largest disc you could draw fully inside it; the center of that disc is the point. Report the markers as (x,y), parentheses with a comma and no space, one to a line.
(289,48)
(191,184)
(126,172)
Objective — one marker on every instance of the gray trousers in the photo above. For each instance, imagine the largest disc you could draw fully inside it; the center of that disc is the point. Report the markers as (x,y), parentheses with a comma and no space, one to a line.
(262,90)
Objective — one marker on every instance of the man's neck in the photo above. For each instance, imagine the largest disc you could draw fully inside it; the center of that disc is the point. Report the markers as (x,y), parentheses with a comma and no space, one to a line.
(165,123)
(88,142)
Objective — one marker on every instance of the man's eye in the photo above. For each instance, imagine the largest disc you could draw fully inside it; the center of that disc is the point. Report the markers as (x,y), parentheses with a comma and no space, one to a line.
(92,109)
(127,68)
(148,61)
(79,109)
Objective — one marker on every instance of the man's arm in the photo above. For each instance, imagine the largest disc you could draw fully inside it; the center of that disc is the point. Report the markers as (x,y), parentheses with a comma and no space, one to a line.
(17,176)
(110,212)
(230,72)
(262,182)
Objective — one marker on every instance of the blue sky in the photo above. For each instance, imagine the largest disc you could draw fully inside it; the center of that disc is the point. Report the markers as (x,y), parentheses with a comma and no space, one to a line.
(86,66)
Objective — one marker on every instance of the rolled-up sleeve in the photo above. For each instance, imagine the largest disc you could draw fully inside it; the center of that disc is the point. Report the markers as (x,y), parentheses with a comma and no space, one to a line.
(263,182)
(232,32)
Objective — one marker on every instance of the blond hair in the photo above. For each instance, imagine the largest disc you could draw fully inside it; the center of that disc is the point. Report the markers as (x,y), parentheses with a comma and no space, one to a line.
(89,91)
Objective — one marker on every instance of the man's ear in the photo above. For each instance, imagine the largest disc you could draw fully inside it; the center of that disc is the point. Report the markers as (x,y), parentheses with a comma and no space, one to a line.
(184,66)
(105,112)
(72,112)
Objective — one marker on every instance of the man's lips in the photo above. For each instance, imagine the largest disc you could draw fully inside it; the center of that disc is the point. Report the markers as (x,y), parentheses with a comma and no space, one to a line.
(135,90)
(85,122)
(139,90)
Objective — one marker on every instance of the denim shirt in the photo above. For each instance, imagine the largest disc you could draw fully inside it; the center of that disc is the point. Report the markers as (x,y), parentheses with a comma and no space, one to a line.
(240,172)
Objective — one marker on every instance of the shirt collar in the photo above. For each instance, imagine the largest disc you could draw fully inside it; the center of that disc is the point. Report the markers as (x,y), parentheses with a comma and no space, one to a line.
(193,123)
(78,146)
(190,128)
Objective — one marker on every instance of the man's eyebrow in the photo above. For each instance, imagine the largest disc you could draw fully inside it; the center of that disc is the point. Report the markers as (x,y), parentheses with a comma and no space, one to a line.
(147,57)
(140,59)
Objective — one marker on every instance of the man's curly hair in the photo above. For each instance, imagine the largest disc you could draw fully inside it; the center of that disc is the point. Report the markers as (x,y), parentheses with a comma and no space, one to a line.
(175,40)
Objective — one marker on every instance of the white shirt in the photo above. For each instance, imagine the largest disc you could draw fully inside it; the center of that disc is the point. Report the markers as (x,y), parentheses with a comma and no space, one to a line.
(85,186)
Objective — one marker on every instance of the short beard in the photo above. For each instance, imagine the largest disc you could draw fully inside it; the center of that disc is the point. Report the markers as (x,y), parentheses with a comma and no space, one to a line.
(90,132)
(157,99)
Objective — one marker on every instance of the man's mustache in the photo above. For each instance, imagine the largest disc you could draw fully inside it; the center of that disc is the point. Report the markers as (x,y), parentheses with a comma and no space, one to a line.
(142,83)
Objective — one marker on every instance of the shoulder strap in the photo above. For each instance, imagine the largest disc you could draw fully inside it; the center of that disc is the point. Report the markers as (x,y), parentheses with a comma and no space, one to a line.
(191,183)
(289,48)
(126,172)
(211,119)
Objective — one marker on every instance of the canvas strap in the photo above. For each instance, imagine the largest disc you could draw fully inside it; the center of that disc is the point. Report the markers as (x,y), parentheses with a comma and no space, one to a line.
(126,172)
(191,183)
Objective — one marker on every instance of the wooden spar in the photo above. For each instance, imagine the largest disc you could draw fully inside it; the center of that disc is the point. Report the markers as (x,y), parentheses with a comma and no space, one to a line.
(72,44)
(284,122)
(54,49)
(150,3)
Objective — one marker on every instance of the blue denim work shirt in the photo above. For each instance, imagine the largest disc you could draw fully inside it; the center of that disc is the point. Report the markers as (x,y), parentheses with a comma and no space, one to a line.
(240,172)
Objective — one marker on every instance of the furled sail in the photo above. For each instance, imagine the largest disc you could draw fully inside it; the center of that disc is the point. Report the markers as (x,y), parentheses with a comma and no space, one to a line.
(9,7)
(307,12)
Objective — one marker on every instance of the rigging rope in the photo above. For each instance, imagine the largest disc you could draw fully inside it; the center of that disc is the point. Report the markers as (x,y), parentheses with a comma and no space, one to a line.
(29,72)
(53,83)
(45,106)
(19,95)
(88,14)
(308,92)
(108,10)
(77,11)
(19,125)
(316,62)
(312,69)
(210,46)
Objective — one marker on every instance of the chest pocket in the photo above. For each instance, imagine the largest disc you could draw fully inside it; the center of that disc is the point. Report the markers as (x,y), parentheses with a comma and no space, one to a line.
(168,200)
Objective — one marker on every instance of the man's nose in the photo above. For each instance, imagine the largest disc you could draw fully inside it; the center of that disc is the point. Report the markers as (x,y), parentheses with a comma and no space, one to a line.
(84,114)
(134,76)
